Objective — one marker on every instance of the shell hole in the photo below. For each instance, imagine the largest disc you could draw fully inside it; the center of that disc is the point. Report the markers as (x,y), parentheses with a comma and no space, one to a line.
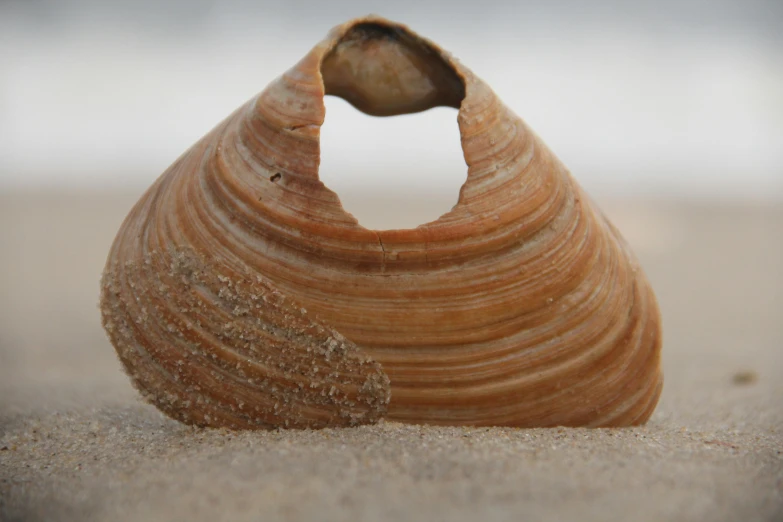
(393,172)
(275,177)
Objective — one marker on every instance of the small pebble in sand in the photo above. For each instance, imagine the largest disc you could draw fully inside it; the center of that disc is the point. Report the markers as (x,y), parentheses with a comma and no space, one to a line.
(745,377)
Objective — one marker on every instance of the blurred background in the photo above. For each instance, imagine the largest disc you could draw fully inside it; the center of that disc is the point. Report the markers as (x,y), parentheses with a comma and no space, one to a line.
(662,110)
(672,98)
(669,113)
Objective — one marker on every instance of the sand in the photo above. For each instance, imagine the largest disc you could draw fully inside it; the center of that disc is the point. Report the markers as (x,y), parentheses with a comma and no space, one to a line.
(77,443)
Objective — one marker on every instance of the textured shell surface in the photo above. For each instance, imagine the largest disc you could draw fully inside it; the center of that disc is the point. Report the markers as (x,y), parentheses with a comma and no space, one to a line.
(239,293)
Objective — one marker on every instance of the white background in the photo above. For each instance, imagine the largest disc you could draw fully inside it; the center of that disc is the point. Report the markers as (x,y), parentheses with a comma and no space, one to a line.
(665,99)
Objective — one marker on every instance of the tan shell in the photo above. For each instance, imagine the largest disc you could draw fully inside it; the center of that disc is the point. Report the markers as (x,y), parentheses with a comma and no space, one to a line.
(239,293)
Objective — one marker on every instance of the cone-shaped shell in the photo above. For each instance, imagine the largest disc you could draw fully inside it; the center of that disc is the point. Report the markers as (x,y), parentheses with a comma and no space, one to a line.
(239,293)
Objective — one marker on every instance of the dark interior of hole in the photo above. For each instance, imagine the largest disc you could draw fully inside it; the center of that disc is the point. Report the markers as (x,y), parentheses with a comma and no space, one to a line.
(385,71)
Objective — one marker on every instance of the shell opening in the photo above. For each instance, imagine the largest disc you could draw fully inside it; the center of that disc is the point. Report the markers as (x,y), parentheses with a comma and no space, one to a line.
(384,70)
(392,173)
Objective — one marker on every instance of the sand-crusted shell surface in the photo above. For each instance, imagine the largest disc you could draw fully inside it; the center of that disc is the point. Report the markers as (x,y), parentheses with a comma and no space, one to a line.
(239,293)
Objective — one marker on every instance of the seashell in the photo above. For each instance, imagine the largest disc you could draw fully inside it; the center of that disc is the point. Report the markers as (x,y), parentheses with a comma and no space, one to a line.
(239,293)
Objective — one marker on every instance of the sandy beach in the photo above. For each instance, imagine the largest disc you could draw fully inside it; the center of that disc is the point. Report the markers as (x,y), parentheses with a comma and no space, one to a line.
(78,444)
